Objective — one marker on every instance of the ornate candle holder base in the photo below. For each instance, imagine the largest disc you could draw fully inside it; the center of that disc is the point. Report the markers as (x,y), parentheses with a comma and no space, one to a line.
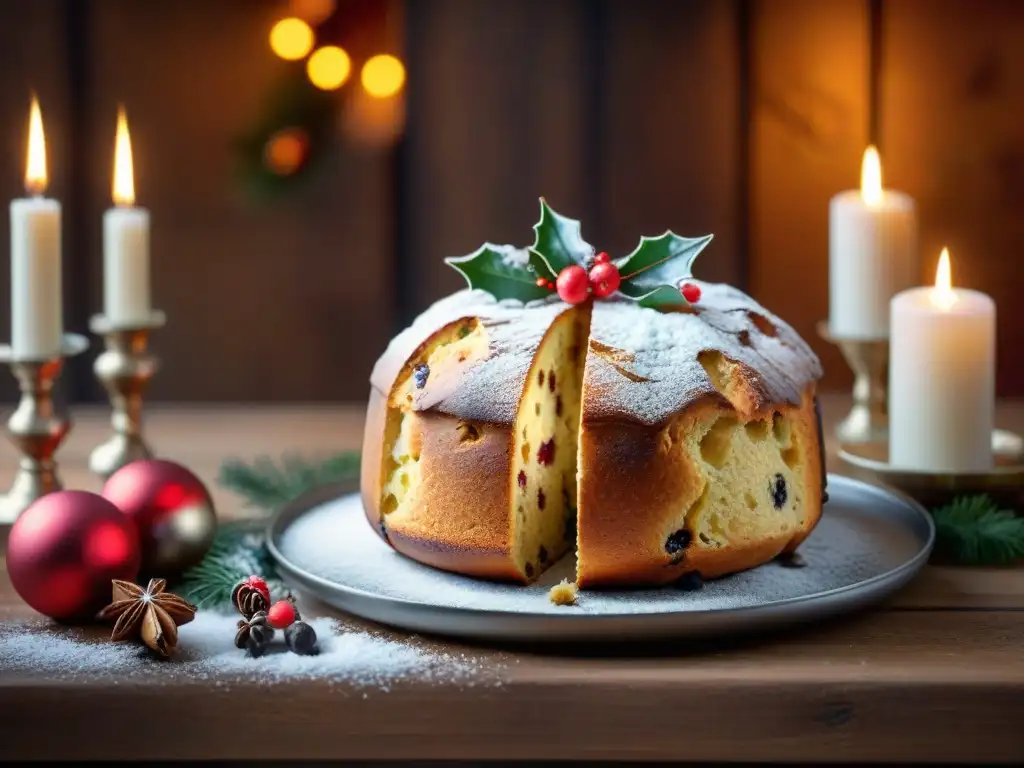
(37,427)
(868,419)
(125,369)
(1004,482)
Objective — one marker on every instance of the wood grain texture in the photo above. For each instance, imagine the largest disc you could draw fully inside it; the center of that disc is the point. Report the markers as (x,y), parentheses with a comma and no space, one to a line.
(808,133)
(263,300)
(495,115)
(936,675)
(952,137)
(670,129)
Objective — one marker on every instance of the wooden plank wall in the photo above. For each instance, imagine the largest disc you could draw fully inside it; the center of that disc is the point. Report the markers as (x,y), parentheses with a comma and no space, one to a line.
(738,117)
(622,114)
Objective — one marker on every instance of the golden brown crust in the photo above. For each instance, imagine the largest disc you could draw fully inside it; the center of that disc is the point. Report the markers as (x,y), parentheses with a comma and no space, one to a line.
(371,459)
(461,519)
(635,485)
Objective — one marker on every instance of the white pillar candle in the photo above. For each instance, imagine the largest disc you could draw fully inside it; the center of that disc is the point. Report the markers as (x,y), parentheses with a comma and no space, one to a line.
(126,299)
(872,254)
(942,378)
(37,322)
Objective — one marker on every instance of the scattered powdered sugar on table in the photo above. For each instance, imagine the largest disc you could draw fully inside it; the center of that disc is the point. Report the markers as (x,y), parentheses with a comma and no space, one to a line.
(862,534)
(206,652)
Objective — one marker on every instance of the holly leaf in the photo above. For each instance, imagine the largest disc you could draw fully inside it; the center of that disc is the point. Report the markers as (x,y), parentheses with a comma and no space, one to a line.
(662,260)
(497,271)
(557,243)
(656,298)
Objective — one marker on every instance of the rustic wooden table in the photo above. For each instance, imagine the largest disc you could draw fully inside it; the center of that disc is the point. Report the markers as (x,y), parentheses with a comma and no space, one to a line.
(937,674)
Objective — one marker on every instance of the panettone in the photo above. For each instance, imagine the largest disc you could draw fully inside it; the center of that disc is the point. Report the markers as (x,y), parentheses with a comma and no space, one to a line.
(656,441)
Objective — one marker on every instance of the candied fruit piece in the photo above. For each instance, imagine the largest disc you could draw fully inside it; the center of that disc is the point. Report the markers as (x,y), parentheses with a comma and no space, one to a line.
(420,374)
(546,452)
(778,491)
(521,478)
(540,378)
(551,382)
(678,541)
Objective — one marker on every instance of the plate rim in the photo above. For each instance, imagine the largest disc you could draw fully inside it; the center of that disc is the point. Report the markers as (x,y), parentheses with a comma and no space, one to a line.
(323,494)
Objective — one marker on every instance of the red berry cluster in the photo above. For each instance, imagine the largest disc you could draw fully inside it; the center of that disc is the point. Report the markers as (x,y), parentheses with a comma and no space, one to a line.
(280,614)
(574,284)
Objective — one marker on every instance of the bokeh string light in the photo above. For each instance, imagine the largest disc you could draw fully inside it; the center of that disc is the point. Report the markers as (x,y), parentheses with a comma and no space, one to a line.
(329,67)
(383,75)
(291,38)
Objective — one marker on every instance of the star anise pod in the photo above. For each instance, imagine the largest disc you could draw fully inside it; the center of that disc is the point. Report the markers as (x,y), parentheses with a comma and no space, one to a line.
(248,601)
(254,633)
(150,615)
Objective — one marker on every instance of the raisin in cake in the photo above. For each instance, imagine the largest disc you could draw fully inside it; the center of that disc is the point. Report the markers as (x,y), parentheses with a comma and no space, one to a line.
(500,434)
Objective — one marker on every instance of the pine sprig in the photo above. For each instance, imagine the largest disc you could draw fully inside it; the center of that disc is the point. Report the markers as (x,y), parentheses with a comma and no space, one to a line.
(269,485)
(973,530)
(238,550)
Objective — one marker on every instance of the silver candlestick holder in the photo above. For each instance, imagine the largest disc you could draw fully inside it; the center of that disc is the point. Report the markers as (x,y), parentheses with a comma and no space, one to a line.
(124,368)
(868,419)
(37,427)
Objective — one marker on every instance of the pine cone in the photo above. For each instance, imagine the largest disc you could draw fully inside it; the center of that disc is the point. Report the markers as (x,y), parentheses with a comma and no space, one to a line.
(248,601)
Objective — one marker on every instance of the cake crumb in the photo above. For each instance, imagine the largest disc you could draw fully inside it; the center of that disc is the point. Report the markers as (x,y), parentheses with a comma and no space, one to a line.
(564,592)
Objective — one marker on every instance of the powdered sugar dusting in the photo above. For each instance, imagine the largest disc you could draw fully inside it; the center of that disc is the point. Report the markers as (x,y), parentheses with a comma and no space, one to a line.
(650,369)
(335,542)
(206,652)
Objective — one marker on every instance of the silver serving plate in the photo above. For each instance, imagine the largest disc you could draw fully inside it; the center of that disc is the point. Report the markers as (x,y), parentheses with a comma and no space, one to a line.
(869,543)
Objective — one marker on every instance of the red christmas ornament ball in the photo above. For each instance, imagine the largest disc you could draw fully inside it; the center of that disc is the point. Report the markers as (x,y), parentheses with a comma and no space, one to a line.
(172,510)
(281,614)
(604,279)
(690,292)
(572,284)
(65,549)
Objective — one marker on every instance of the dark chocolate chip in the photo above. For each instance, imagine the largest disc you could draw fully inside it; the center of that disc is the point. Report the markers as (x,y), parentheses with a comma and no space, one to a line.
(542,500)
(540,378)
(558,406)
(678,541)
(690,581)
(551,381)
(420,374)
(778,491)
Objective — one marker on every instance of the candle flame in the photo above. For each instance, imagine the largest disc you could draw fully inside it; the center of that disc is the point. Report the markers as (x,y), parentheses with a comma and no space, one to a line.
(942,294)
(871,177)
(35,167)
(124,169)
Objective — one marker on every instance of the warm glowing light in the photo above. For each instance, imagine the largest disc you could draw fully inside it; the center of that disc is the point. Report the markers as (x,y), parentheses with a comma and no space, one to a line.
(124,168)
(329,67)
(942,294)
(871,177)
(285,151)
(35,167)
(383,75)
(312,11)
(291,38)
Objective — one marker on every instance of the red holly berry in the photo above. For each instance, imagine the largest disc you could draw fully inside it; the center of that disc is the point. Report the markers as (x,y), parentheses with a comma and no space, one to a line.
(604,279)
(601,258)
(281,614)
(690,292)
(260,586)
(572,284)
